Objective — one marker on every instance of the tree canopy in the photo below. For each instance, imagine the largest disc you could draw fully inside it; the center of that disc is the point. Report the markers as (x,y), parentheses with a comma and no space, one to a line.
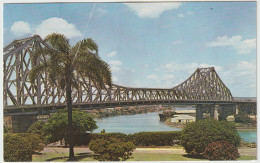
(57,126)
(197,135)
(64,64)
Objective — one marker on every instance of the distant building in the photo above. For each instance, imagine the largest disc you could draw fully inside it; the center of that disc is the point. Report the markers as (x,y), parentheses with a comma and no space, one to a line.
(183,118)
(230,118)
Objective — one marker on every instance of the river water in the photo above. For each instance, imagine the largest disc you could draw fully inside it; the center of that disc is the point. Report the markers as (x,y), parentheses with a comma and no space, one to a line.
(149,122)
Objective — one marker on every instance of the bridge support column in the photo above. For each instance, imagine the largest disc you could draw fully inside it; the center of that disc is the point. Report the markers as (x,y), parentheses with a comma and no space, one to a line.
(216,109)
(199,112)
(211,110)
(236,111)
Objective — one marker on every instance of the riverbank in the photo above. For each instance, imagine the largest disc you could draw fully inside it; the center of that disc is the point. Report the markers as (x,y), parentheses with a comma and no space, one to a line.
(128,110)
(239,127)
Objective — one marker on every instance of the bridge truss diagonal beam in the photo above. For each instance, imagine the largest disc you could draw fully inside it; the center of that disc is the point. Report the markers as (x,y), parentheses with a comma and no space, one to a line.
(203,85)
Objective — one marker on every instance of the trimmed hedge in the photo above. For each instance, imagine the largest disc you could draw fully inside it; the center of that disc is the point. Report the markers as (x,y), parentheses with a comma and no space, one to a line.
(84,139)
(155,138)
(139,139)
(21,146)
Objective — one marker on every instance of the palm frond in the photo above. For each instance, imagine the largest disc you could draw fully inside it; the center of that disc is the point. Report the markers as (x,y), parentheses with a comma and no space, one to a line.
(58,42)
(38,69)
(93,67)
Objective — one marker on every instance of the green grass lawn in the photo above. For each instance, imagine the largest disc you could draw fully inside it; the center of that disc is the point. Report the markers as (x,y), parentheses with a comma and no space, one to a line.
(161,157)
(137,157)
(247,158)
(57,157)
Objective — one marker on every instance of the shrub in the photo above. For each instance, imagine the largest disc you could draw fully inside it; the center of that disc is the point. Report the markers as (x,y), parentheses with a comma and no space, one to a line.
(20,147)
(111,149)
(5,129)
(37,128)
(220,150)
(242,118)
(107,136)
(197,135)
(139,139)
(155,138)
(57,126)
(85,138)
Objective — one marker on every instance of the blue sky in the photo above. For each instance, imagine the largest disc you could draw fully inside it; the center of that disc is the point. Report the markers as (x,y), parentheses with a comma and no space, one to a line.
(155,45)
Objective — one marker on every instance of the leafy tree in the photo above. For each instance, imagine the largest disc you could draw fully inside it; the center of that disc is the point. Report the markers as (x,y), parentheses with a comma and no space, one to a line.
(5,129)
(242,117)
(111,149)
(197,135)
(56,128)
(220,150)
(20,147)
(64,62)
(37,128)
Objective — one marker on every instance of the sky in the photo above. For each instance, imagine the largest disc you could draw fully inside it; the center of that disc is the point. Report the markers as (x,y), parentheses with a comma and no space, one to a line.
(153,45)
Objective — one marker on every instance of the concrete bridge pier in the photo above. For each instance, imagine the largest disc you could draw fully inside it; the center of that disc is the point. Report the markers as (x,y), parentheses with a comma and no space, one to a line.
(199,112)
(216,112)
(225,110)
(200,109)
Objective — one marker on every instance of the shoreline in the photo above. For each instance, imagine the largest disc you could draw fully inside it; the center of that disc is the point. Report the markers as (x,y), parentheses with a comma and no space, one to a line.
(168,122)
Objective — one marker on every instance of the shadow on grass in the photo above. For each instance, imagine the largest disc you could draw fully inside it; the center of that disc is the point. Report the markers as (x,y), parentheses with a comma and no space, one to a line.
(193,157)
(78,156)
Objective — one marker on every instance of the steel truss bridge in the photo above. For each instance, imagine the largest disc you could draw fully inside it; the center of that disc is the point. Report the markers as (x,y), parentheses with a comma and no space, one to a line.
(204,86)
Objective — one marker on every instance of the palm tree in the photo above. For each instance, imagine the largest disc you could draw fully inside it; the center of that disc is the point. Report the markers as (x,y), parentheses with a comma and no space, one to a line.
(64,62)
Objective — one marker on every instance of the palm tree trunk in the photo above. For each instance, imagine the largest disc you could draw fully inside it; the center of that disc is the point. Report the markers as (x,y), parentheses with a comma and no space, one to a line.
(69,107)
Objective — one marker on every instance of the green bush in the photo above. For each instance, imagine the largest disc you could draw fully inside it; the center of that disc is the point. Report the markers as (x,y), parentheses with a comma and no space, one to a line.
(221,150)
(85,138)
(5,129)
(37,128)
(111,149)
(242,118)
(57,126)
(20,147)
(139,139)
(155,138)
(197,135)
(107,136)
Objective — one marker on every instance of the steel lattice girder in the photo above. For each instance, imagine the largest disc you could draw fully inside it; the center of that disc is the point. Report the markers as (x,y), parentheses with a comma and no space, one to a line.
(203,85)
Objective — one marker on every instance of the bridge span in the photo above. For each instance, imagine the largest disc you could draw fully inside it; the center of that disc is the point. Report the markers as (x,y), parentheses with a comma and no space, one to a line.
(203,88)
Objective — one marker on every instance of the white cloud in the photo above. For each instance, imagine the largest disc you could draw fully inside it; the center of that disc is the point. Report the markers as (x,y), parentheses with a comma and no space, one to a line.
(101,11)
(115,62)
(115,65)
(145,66)
(152,10)
(20,28)
(176,42)
(235,42)
(204,65)
(173,67)
(241,78)
(58,25)
(190,13)
(180,15)
(152,76)
(184,69)
(112,54)
(115,68)
(114,79)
